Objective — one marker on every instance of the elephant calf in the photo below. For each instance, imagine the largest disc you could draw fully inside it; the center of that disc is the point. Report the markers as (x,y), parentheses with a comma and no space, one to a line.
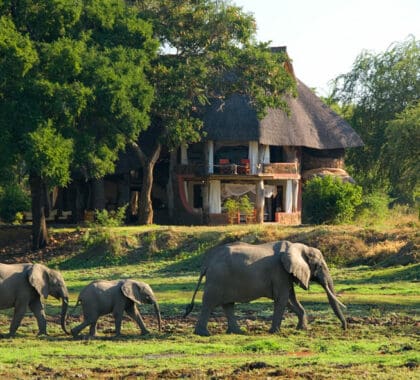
(105,297)
(241,272)
(23,286)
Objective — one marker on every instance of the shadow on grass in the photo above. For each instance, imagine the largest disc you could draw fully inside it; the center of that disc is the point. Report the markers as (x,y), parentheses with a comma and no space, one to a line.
(101,255)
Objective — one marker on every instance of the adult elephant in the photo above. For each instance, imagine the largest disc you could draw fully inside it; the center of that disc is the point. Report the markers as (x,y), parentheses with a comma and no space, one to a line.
(103,297)
(241,272)
(23,285)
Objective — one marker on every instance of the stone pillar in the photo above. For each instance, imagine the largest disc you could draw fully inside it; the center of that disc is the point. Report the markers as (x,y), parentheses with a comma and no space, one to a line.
(259,204)
(209,156)
(184,154)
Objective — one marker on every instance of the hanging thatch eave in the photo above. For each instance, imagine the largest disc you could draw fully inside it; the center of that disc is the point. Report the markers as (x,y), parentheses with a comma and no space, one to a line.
(311,123)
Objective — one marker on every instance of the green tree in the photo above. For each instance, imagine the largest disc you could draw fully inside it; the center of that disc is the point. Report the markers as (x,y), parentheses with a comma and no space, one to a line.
(73,90)
(207,50)
(402,152)
(378,87)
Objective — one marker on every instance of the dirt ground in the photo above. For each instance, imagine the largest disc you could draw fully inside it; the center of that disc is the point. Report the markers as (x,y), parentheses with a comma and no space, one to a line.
(15,245)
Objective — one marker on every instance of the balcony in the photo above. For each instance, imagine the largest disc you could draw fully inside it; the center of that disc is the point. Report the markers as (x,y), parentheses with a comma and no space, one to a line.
(280,168)
(225,168)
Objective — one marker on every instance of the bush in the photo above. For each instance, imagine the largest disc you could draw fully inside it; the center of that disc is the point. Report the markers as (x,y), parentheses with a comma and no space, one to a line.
(330,200)
(374,208)
(116,218)
(246,206)
(13,199)
(102,238)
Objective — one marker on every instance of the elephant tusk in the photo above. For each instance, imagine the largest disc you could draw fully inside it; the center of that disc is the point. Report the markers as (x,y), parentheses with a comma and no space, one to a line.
(334,297)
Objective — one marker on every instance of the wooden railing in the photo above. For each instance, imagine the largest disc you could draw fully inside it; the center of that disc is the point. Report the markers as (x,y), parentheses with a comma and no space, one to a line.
(236,169)
(280,168)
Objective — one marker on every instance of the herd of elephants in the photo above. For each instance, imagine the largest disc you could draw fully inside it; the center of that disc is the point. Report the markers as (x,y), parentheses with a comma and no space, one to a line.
(235,272)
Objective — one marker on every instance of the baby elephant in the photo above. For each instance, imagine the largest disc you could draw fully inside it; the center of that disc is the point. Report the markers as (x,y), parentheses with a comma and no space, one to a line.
(104,297)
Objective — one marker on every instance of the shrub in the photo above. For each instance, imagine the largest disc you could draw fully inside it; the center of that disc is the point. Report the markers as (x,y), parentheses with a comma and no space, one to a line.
(13,199)
(374,208)
(330,200)
(245,205)
(102,238)
(231,206)
(105,218)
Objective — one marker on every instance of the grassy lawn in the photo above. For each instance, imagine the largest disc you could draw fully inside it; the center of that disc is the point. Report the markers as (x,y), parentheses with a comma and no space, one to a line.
(382,342)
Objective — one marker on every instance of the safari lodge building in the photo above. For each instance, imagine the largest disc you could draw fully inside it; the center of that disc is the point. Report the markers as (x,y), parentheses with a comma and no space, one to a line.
(267,160)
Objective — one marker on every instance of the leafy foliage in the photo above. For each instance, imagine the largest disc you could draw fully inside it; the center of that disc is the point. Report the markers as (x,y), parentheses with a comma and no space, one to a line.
(13,200)
(377,89)
(245,205)
(101,240)
(207,51)
(78,81)
(242,204)
(73,88)
(402,151)
(105,218)
(231,206)
(330,200)
(374,208)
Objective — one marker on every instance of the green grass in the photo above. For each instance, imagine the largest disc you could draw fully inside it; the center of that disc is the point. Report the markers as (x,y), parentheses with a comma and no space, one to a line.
(383,306)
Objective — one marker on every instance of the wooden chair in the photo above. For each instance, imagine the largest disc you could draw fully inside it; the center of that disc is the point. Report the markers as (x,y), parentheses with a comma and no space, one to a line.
(224,166)
(244,168)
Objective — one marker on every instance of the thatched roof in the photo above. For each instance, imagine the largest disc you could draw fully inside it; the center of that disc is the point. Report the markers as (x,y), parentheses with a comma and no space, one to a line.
(311,123)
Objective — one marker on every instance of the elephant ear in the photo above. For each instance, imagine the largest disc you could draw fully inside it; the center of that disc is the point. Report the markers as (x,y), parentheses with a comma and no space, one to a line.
(131,290)
(38,278)
(294,262)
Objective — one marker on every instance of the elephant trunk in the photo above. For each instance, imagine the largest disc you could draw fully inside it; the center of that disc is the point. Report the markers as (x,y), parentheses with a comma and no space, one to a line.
(335,304)
(159,319)
(64,308)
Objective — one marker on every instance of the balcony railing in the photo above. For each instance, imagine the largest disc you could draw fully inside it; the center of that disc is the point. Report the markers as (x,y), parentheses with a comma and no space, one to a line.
(238,169)
(280,168)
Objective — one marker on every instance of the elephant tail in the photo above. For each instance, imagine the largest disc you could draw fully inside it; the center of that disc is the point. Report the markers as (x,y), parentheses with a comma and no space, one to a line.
(77,304)
(190,307)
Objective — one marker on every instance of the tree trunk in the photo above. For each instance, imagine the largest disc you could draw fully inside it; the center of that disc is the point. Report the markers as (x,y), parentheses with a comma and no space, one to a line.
(170,185)
(145,199)
(39,225)
(145,211)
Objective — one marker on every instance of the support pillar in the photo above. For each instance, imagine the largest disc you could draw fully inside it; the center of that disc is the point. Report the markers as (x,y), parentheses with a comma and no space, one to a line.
(259,204)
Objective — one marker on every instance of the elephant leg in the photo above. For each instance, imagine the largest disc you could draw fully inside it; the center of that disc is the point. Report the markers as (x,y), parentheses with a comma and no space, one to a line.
(201,326)
(233,327)
(87,321)
(298,309)
(37,308)
(133,312)
(118,321)
(280,304)
(92,329)
(76,330)
(19,313)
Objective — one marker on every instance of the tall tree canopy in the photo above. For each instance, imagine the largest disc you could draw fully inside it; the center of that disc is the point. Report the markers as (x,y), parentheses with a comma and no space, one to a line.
(73,89)
(207,51)
(402,153)
(379,89)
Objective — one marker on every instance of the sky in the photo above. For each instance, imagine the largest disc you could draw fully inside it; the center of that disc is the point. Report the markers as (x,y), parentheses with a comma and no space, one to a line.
(324,37)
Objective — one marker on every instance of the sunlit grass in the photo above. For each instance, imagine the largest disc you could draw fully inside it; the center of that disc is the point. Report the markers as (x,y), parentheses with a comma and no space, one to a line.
(379,340)
(383,306)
